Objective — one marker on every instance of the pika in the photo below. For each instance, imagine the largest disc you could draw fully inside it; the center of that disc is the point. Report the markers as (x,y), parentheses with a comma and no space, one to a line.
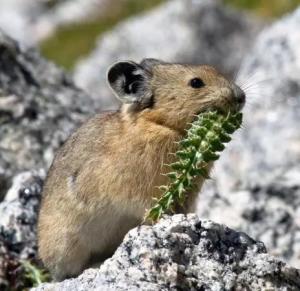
(106,174)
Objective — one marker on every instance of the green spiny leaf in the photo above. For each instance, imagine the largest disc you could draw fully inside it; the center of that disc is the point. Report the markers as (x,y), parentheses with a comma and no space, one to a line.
(209,156)
(178,166)
(185,142)
(217,145)
(205,137)
(199,172)
(184,154)
(201,131)
(228,127)
(224,137)
(172,175)
(163,188)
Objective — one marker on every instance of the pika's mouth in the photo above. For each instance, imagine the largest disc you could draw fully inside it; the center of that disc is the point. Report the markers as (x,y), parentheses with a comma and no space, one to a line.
(223,108)
(239,105)
(232,101)
(239,98)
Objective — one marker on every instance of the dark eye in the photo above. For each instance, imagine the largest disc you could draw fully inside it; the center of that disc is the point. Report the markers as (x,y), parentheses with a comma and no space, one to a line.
(197,83)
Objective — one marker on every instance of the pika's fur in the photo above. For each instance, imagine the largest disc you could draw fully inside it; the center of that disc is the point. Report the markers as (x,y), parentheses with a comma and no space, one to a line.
(105,175)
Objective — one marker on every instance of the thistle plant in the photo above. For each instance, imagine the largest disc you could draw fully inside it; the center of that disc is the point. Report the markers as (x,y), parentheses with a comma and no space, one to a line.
(204,141)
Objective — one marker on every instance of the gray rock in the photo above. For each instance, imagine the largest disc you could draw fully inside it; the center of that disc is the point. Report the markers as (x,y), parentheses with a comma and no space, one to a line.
(18,16)
(66,13)
(268,210)
(270,75)
(181,31)
(18,218)
(39,107)
(31,21)
(257,180)
(185,253)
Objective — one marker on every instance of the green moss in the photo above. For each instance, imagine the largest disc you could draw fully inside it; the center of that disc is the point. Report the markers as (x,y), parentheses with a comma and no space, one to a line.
(266,8)
(75,41)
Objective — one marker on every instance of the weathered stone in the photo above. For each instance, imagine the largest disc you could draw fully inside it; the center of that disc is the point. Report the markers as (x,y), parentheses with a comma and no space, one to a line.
(185,253)
(39,107)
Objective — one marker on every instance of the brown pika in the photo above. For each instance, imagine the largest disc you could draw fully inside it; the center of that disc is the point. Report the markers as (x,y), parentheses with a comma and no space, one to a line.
(105,175)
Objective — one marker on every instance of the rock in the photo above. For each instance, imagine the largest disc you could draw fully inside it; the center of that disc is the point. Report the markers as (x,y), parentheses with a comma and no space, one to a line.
(185,253)
(257,180)
(68,12)
(196,32)
(268,210)
(18,218)
(31,21)
(17,18)
(39,107)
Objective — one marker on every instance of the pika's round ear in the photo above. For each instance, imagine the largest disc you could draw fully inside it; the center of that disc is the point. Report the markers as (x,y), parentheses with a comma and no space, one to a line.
(149,63)
(129,82)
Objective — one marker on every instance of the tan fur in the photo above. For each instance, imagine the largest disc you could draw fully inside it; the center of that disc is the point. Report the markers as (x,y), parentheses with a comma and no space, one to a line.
(105,175)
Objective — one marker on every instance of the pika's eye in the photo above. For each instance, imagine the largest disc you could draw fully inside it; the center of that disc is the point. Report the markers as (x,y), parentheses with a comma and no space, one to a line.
(197,83)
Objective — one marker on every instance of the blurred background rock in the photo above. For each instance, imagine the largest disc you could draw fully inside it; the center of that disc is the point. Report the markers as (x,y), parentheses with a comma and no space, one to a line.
(55,25)
(256,183)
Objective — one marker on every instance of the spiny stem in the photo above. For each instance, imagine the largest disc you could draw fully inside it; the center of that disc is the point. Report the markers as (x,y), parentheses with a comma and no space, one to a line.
(204,139)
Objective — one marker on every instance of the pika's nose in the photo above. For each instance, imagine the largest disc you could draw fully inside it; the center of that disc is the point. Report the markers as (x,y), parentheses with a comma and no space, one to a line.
(239,95)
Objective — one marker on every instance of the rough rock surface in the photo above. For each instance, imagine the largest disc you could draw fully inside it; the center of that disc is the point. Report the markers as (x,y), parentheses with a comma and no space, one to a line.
(257,180)
(39,107)
(18,217)
(184,253)
(181,31)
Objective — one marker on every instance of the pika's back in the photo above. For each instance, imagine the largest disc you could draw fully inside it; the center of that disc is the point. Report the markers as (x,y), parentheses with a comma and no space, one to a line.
(94,135)
(91,141)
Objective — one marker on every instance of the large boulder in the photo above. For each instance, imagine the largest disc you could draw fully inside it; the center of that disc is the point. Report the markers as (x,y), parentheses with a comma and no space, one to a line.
(268,210)
(185,253)
(257,180)
(39,107)
(181,31)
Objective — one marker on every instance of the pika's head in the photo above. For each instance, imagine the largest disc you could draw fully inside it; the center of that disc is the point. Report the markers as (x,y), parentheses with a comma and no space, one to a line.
(172,94)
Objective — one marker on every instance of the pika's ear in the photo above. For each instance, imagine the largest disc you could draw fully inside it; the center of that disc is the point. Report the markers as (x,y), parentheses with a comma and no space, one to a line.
(129,82)
(148,64)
